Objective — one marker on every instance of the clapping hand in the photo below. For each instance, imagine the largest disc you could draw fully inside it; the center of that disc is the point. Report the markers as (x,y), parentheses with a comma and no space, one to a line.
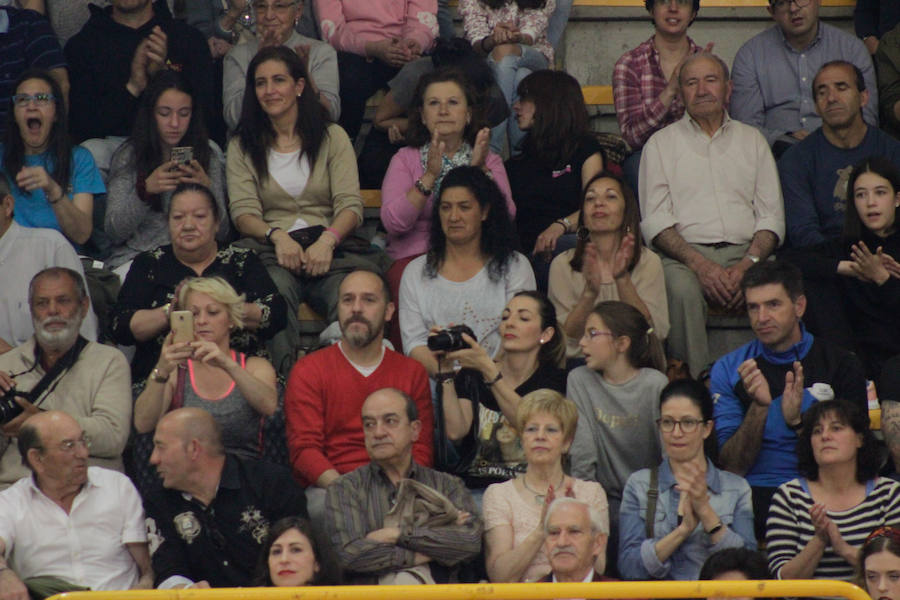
(868,266)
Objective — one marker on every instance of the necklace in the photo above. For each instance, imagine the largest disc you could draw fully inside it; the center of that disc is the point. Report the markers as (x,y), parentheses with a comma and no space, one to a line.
(538,497)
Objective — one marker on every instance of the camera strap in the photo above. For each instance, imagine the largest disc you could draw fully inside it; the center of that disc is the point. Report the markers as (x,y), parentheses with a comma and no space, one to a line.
(64,363)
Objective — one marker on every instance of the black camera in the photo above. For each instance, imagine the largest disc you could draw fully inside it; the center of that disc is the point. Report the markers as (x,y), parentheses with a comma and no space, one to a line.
(450,339)
(9,408)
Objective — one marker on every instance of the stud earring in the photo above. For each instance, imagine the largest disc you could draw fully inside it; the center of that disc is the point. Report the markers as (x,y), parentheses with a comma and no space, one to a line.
(542,340)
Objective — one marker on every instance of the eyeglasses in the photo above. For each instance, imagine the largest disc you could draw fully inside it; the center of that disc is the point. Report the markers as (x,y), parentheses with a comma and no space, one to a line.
(784,4)
(687,425)
(591,333)
(69,446)
(41,99)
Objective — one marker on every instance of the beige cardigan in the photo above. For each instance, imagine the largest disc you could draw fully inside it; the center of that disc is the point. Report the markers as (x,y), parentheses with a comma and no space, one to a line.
(566,287)
(333,186)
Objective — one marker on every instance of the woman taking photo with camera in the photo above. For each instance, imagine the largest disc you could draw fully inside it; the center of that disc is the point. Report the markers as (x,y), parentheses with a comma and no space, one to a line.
(481,400)
(470,271)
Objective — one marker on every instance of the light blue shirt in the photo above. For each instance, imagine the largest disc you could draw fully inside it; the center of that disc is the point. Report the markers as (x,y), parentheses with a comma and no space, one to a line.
(729,497)
(773,80)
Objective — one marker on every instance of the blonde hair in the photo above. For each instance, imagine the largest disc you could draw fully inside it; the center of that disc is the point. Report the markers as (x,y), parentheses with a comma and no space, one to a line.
(219,290)
(554,404)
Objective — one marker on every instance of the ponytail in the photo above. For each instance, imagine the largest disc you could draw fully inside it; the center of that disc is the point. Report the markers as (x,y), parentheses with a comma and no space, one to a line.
(645,350)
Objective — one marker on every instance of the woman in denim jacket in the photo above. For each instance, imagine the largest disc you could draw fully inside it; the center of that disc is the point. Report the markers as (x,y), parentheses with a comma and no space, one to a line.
(699,509)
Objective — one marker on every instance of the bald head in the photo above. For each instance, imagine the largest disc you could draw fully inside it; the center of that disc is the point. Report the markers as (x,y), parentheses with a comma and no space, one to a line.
(189,424)
(53,446)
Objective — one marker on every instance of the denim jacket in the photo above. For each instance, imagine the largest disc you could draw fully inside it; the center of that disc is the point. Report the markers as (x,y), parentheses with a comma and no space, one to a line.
(729,496)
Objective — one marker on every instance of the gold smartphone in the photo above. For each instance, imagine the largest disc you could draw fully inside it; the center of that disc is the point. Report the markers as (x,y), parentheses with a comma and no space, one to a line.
(182,323)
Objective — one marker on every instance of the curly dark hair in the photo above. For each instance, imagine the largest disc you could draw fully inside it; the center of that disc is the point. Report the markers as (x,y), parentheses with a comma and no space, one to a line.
(59,145)
(145,141)
(497,231)
(868,457)
(276,530)
(417,134)
(631,221)
(255,131)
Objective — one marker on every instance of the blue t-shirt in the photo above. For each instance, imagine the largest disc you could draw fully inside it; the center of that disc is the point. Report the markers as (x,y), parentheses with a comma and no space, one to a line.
(32,208)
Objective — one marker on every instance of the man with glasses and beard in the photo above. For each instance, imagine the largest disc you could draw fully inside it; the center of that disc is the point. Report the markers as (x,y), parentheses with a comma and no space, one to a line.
(57,369)
(326,391)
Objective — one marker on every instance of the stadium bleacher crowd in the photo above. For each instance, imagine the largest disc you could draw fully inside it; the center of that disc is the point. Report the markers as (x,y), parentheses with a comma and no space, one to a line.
(224,362)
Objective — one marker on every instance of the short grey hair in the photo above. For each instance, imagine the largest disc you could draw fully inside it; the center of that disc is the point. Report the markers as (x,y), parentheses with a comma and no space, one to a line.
(598,524)
(74,276)
(697,56)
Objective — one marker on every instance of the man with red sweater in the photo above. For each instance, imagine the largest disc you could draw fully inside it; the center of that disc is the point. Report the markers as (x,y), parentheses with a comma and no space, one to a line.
(327,388)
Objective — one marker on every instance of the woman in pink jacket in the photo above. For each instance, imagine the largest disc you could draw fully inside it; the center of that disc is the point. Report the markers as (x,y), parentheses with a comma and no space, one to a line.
(445,131)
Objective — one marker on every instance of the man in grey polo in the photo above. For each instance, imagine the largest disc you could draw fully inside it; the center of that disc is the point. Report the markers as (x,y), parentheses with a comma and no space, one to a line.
(773,72)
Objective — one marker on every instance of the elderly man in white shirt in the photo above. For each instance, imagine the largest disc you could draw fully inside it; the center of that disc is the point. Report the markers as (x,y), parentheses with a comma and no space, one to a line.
(711,203)
(69,526)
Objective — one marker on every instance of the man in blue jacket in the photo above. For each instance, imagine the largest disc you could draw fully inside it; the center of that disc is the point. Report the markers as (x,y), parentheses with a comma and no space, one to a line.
(762,389)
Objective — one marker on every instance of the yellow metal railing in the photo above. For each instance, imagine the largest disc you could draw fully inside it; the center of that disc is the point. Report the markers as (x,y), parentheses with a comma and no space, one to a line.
(504,591)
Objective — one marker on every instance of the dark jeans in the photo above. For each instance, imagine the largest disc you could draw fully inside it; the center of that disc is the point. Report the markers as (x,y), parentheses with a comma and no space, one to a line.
(359,79)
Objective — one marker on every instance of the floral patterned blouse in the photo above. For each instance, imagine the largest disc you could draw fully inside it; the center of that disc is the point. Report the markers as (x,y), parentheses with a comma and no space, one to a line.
(151,283)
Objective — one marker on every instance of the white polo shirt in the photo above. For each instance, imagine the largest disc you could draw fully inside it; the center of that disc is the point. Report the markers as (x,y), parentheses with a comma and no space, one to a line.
(85,547)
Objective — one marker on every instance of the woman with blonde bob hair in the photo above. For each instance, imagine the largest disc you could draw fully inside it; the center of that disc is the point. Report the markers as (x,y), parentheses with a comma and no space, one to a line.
(514,510)
(206,373)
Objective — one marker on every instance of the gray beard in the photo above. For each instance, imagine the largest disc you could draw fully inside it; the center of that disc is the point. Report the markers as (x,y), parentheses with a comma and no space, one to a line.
(57,341)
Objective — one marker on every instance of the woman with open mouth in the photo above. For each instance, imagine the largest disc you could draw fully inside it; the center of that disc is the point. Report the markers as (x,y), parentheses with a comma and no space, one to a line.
(53,182)
(853,282)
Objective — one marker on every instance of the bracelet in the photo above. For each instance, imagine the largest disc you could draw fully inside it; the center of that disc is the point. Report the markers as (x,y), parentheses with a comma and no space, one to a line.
(422,189)
(563,223)
(495,379)
(334,232)
(715,528)
(270,232)
(167,309)
(157,376)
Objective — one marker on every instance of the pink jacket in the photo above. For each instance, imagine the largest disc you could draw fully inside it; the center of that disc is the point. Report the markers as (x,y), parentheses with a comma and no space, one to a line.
(349,24)
(408,228)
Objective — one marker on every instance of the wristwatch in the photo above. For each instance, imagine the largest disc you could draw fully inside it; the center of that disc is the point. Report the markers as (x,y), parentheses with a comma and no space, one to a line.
(752,258)
(157,376)
(270,232)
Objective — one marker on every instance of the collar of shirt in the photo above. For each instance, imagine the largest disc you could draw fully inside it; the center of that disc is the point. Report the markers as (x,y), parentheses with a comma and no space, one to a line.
(667,479)
(230,479)
(696,128)
(815,41)
(379,472)
(588,579)
(89,483)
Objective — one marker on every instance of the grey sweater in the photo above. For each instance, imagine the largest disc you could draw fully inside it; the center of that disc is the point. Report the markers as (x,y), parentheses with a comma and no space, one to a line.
(132,226)
(616,433)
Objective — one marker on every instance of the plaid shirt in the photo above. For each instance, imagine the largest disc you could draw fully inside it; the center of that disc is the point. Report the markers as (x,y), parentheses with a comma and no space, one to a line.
(358,501)
(638,81)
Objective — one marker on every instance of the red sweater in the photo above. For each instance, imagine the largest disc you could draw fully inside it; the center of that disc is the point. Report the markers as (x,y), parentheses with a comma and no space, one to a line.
(322,407)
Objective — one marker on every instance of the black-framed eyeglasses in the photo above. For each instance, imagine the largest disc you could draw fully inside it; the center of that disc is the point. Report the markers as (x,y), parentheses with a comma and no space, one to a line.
(688,425)
(783,4)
